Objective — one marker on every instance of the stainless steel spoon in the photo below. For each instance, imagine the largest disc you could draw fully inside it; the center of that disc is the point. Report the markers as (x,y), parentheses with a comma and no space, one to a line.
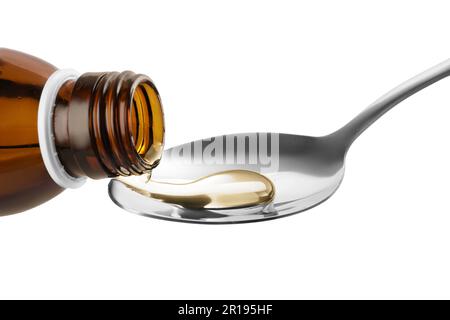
(304,170)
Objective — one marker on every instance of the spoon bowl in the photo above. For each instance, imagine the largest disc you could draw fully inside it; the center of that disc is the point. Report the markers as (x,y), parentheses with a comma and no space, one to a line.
(305,171)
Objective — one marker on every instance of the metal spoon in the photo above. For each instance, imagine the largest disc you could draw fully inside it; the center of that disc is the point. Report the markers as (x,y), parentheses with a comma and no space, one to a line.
(304,170)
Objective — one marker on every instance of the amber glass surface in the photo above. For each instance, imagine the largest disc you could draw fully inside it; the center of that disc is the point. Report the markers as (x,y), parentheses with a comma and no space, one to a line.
(24,181)
(106,124)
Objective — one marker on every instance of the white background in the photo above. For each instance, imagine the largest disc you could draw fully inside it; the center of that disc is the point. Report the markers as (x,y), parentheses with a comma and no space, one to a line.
(237,66)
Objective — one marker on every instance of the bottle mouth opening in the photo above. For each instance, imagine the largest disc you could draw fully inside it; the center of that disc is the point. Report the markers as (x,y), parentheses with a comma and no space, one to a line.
(146,122)
(113,124)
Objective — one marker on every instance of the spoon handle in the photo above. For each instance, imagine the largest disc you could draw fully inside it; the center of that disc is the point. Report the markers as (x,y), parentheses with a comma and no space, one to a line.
(347,134)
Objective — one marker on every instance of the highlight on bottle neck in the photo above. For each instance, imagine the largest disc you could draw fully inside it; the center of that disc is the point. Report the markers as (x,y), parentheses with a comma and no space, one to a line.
(108,124)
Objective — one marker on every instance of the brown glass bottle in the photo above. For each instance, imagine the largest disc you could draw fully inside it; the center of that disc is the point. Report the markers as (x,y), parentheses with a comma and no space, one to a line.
(103,125)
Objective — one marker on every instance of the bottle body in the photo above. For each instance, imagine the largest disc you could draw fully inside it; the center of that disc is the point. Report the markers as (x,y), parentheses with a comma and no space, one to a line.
(101,125)
(24,180)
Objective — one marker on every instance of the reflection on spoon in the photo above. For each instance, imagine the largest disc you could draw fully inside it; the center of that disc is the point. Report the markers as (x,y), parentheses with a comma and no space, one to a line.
(222,190)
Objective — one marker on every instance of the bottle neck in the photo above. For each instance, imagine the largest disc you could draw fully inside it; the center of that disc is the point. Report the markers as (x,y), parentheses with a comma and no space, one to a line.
(108,124)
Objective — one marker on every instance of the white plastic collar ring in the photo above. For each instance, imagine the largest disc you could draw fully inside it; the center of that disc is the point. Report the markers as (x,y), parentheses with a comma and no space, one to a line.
(45,129)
